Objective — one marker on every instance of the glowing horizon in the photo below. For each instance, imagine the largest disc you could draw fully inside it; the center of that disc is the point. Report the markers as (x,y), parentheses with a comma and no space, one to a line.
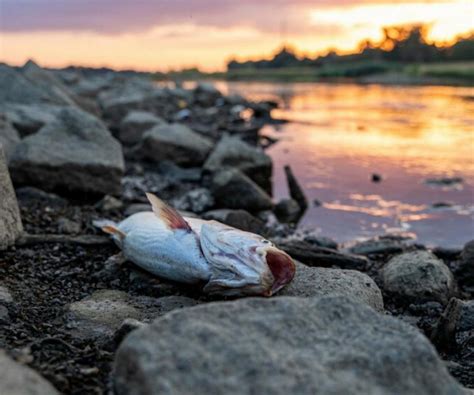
(161,35)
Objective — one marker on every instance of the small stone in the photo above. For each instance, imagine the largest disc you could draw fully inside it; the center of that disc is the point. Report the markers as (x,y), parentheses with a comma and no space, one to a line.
(233,189)
(18,379)
(135,124)
(68,226)
(100,315)
(232,152)
(376,177)
(5,295)
(288,210)
(127,326)
(176,143)
(196,201)
(315,281)
(109,203)
(418,275)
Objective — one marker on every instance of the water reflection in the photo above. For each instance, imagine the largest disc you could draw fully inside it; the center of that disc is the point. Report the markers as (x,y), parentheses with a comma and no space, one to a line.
(340,134)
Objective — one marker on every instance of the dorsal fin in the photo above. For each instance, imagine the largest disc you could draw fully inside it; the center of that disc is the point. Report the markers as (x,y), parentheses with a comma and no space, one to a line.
(166,213)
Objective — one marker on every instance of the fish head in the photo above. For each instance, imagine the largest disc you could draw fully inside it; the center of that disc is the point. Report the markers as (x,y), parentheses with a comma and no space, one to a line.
(243,263)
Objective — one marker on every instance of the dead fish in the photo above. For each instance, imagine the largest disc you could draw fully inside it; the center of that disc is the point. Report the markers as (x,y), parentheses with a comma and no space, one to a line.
(242,263)
(188,250)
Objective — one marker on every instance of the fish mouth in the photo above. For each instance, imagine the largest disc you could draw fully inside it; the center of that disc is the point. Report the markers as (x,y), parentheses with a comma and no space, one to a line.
(282,268)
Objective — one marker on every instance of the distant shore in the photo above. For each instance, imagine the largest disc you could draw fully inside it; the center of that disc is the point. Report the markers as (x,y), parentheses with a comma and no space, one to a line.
(447,73)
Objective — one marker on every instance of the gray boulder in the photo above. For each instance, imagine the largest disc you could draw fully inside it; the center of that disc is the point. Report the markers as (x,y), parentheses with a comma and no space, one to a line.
(233,189)
(9,136)
(10,221)
(135,124)
(48,83)
(239,219)
(418,275)
(74,153)
(233,152)
(285,346)
(316,281)
(16,88)
(18,379)
(121,98)
(176,143)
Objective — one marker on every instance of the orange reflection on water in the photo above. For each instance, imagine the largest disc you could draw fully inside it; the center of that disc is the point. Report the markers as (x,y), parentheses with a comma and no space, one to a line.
(340,134)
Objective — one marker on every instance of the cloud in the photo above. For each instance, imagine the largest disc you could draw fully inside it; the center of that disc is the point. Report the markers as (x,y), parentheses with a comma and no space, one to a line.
(123,16)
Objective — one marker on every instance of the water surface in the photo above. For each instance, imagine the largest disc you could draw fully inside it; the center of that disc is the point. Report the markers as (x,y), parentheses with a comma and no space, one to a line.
(339,135)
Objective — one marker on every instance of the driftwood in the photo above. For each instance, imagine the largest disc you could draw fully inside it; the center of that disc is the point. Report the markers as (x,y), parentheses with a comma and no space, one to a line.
(312,255)
(88,240)
(296,192)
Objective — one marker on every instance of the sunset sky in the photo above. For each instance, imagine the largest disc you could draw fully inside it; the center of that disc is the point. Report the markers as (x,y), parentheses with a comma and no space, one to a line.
(165,34)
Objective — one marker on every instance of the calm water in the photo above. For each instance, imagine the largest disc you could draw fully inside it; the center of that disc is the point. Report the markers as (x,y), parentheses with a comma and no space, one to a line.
(340,134)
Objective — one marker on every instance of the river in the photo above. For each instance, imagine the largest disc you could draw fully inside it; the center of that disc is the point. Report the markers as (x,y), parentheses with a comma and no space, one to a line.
(340,134)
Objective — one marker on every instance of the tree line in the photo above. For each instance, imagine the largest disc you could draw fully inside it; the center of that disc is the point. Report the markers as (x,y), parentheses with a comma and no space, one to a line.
(403,44)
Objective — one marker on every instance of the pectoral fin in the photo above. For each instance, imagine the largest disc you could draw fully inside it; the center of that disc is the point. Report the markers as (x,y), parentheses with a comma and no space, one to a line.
(167,214)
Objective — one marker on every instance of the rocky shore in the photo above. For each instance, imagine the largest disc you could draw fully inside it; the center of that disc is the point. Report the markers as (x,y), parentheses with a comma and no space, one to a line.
(382,316)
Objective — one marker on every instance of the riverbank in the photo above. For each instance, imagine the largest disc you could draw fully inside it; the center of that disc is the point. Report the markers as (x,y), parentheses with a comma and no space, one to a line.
(449,74)
(81,147)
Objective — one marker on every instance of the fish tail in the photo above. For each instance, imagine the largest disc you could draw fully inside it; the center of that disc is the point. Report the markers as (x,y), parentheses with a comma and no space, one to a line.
(111,228)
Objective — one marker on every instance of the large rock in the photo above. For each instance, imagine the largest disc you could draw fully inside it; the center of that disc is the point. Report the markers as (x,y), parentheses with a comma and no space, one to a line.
(74,153)
(135,124)
(10,221)
(9,136)
(120,99)
(280,346)
(239,219)
(233,152)
(18,379)
(316,281)
(233,189)
(16,88)
(47,82)
(418,275)
(176,143)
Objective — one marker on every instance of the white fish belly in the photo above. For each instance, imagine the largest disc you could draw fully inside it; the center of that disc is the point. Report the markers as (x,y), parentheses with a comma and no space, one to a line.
(170,254)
